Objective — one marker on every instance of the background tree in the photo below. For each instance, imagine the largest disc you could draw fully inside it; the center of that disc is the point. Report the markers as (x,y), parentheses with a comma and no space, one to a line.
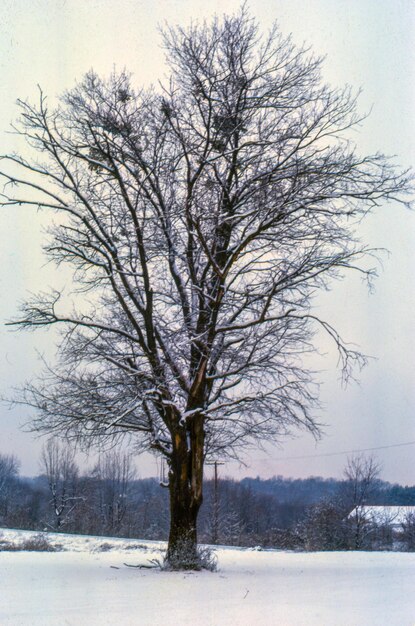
(200,218)
(324,526)
(114,473)
(9,472)
(408,532)
(361,481)
(58,464)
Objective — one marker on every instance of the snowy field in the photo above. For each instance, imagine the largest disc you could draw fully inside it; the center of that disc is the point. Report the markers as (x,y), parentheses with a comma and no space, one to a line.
(88,583)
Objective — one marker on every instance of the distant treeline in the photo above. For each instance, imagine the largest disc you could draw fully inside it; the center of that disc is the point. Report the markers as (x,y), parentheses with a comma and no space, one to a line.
(308,491)
(110,500)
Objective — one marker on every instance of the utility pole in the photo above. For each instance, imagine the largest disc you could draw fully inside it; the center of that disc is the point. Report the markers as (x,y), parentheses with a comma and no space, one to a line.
(215,521)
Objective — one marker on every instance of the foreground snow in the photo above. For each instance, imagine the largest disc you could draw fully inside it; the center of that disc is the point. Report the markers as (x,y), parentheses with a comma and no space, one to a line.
(85,586)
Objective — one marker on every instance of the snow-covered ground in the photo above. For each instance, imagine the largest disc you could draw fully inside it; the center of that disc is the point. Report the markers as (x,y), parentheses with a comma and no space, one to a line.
(84,585)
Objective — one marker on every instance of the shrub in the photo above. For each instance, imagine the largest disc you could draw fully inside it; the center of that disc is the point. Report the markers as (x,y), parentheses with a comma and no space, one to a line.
(408,533)
(323,528)
(185,559)
(35,543)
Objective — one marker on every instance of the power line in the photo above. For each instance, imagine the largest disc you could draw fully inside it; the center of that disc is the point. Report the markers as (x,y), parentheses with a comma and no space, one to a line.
(314,456)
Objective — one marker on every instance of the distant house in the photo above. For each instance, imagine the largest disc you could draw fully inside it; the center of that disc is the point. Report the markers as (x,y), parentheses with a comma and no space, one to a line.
(393,516)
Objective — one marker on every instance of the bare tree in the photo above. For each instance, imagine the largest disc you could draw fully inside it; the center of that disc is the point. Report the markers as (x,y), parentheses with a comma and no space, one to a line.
(58,464)
(9,471)
(323,527)
(408,532)
(200,219)
(114,472)
(362,476)
(361,479)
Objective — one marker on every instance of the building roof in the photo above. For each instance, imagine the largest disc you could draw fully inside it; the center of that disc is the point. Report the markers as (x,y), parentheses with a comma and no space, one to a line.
(392,515)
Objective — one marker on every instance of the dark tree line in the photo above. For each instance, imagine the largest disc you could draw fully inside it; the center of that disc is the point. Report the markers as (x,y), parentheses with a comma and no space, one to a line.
(109,500)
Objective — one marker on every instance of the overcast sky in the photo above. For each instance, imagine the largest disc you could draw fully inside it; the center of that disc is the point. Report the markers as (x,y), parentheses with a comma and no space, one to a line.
(368,44)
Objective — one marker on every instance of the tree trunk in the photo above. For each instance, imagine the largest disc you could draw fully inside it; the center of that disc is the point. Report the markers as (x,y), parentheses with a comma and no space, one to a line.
(182,547)
(185,485)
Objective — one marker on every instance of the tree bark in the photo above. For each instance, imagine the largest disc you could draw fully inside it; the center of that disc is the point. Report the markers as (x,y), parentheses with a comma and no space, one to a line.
(186,496)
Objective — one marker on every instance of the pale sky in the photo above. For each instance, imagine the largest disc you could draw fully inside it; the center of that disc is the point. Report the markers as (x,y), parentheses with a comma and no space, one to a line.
(368,44)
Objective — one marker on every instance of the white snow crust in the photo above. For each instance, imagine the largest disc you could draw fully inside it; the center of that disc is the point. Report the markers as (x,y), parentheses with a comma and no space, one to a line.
(84,586)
